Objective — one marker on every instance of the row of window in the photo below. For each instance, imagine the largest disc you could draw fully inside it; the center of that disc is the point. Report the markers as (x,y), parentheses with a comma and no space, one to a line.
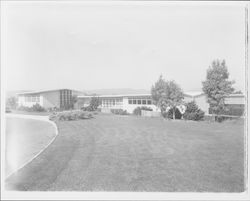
(139,102)
(32,99)
(65,97)
(109,102)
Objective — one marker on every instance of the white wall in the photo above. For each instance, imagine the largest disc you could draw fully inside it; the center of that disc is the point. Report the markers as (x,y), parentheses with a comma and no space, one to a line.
(51,99)
(47,100)
(201,101)
(22,102)
(235,100)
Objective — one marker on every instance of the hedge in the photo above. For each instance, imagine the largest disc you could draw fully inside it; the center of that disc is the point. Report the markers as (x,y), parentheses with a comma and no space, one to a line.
(137,111)
(70,115)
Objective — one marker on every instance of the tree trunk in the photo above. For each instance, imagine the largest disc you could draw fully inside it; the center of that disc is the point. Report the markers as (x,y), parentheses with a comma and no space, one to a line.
(173,112)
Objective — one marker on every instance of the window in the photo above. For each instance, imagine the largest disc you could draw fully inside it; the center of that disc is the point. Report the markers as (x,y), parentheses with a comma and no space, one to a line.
(139,102)
(134,102)
(144,102)
(149,102)
(129,101)
(33,99)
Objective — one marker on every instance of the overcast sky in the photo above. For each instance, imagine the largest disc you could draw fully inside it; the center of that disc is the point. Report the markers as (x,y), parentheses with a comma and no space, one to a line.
(93,46)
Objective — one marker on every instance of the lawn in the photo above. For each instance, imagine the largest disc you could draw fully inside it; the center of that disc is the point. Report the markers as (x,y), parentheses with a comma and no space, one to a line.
(24,139)
(127,153)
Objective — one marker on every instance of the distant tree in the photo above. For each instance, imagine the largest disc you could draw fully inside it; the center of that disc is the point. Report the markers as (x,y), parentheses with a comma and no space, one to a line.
(73,101)
(158,92)
(238,92)
(166,94)
(12,102)
(94,103)
(217,86)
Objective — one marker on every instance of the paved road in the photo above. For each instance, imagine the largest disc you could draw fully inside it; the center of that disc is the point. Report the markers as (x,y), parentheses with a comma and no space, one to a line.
(119,153)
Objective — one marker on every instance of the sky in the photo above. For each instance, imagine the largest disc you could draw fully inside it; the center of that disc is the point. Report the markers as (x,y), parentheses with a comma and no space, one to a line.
(85,46)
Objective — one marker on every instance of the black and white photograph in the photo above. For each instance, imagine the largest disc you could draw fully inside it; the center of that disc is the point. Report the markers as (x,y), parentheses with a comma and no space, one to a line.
(130,100)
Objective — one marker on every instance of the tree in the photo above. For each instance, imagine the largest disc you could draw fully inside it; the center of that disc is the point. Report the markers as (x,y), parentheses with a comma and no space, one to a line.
(73,101)
(193,112)
(12,102)
(94,103)
(217,86)
(166,94)
(158,92)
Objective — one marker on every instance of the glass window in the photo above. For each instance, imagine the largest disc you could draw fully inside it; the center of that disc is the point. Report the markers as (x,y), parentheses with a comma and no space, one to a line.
(129,101)
(149,102)
(134,102)
(139,102)
(144,102)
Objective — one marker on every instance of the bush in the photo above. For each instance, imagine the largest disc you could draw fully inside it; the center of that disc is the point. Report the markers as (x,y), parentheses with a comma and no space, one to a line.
(193,112)
(137,111)
(119,111)
(70,115)
(88,109)
(37,108)
(34,108)
(169,114)
(234,110)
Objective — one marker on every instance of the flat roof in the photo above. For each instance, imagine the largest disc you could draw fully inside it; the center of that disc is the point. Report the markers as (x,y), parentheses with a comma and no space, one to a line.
(115,96)
(190,94)
(43,91)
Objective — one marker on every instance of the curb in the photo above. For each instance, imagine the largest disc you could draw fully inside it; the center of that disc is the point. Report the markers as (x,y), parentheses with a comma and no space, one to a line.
(44,118)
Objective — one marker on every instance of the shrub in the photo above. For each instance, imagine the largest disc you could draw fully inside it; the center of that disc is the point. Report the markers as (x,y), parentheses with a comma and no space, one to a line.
(70,115)
(169,114)
(234,110)
(34,108)
(137,111)
(37,108)
(119,111)
(193,112)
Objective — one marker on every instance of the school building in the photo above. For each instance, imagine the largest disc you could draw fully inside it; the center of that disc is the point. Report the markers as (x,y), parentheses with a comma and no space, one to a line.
(129,102)
(59,98)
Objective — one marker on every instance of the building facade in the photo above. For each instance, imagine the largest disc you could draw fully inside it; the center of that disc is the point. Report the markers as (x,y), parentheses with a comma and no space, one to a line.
(61,98)
(129,102)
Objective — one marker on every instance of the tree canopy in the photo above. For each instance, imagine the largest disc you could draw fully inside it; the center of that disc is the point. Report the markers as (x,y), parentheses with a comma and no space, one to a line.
(166,94)
(217,86)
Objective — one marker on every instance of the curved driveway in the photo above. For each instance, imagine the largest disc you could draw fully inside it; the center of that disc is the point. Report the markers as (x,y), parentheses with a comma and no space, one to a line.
(26,137)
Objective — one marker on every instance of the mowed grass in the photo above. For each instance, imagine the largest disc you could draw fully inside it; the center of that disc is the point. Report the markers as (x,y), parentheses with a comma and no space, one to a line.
(24,139)
(126,153)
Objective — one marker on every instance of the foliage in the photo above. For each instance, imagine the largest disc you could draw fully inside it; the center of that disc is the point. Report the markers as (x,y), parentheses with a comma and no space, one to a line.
(70,115)
(238,92)
(53,109)
(137,111)
(166,94)
(235,110)
(193,112)
(11,102)
(73,101)
(93,105)
(217,86)
(119,111)
(169,114)
(34,108)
